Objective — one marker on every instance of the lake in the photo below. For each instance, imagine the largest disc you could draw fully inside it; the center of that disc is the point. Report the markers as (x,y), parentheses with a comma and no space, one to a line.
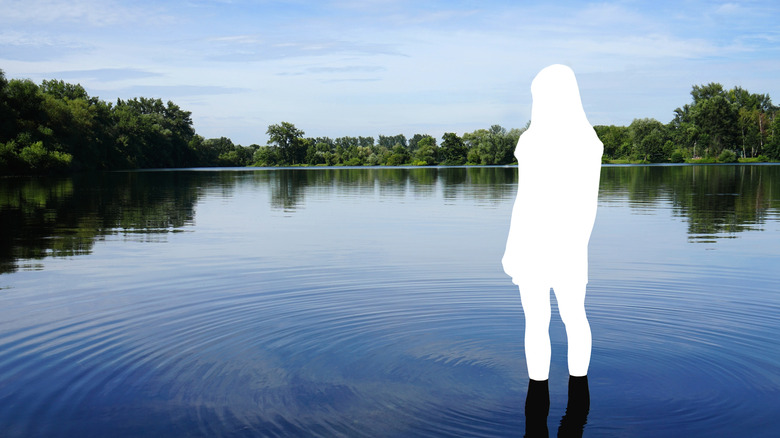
(371,302)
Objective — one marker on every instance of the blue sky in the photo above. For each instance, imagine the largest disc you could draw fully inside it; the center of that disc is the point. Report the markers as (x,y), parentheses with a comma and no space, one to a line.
(371,67)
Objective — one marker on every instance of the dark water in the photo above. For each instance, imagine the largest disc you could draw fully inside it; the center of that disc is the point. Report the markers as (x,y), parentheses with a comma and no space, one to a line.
(371,302)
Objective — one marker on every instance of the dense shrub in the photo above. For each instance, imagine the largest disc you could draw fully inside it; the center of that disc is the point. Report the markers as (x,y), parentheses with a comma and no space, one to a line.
(727,156)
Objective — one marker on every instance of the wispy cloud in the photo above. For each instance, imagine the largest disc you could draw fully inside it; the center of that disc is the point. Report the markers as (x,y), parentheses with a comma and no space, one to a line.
(23,46)
(249,48)
(330,70)
(82,12)
(179,90)
(106,74)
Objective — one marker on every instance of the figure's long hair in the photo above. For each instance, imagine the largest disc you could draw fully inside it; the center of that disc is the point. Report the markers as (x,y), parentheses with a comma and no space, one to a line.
(556,100)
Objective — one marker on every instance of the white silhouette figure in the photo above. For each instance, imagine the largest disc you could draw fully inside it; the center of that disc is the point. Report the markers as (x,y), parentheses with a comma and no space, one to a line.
(559,164)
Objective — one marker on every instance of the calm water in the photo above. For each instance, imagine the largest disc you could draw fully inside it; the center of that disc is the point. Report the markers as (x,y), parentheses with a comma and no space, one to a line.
(371,302)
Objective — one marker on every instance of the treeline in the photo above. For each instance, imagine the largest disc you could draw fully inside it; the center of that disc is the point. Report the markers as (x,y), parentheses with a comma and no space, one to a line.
(717,126)
(288,146)
(57,127)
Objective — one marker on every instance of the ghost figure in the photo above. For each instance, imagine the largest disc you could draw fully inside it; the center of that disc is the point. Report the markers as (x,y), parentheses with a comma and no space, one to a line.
(559,164)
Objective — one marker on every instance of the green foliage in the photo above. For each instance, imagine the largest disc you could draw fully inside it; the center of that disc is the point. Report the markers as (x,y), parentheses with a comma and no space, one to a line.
(390,142)
(719,119)
(427,152)
(41,159)
(398,156)
(63,90)
(152,134)
(453,150)
(266,156)
(648,137)
(289,141)
(9,158)
(727,156)
(716,120)
(616,139)
(57,126)
(491,146)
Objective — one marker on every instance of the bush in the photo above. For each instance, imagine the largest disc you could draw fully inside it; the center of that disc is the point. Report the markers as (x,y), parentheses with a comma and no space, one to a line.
(727,156)
(9,159)
(677,157)
(40,160)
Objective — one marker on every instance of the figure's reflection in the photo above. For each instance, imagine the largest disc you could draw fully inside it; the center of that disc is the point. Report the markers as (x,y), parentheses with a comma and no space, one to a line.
(577,408)
(537,407)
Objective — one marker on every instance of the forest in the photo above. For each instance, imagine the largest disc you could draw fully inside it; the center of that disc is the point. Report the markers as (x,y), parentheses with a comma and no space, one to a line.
(56,127)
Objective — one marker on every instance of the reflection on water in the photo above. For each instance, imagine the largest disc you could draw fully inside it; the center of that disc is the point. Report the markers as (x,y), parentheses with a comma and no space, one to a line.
(371,302)
(537,408)
(64,217)
(716,201)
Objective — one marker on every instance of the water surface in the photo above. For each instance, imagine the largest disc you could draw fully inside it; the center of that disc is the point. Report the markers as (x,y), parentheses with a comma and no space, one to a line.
(371,302)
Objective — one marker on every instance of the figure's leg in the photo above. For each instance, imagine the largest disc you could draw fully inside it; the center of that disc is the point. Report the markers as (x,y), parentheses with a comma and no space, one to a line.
(536,308)
(571,305)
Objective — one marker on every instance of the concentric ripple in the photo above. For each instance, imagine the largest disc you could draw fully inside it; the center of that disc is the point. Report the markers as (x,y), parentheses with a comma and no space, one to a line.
(346,357)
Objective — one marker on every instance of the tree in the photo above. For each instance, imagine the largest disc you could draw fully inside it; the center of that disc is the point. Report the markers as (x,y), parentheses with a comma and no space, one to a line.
(772,149)
(267,156)
(366,142)
(289,140)
(427,153)
(26,103)
(453,150)
(398,156)
(390,141)
(648,137)
(63,90)
(6,115)
(413,142)
(217,152)
(715,118)
(493,146)
(616,140)
(683,131)
(151,134)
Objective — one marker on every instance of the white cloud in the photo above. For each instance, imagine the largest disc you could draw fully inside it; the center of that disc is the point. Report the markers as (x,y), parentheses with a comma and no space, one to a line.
(83,12)
(728,9)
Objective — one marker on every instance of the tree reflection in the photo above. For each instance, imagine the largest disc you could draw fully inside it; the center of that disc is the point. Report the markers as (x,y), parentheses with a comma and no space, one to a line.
(715,200)
(63,217)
